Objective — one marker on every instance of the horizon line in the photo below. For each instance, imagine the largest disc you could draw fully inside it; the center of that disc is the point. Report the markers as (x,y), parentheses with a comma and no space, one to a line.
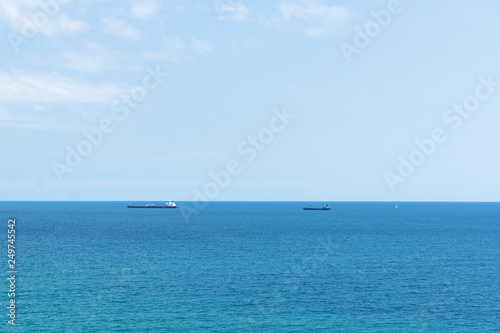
(391,201)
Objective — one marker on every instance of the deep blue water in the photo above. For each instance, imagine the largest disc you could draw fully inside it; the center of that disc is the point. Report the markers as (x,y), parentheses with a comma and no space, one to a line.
(254,267)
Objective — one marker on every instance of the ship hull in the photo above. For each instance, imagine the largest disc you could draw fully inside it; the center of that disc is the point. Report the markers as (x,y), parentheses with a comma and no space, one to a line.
(309,208)
(150,206)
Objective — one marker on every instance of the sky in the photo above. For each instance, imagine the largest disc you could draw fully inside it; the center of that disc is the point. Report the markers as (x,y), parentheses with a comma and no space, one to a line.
(299,100)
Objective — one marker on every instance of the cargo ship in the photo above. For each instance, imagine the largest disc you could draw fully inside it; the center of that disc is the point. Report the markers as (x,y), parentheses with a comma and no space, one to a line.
(170,204)
(317,207)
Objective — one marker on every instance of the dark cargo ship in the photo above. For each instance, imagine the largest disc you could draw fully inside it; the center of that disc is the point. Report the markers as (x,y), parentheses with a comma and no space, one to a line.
(316,207)
(170,204)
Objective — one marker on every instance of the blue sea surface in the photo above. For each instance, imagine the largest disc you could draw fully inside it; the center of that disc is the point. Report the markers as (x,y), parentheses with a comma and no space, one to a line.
(254,267)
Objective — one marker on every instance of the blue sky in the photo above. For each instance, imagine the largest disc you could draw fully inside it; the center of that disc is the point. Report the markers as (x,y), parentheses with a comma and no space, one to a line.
(301,100)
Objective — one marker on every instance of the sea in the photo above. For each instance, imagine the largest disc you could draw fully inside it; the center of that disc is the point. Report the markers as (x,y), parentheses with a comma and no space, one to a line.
(252,267)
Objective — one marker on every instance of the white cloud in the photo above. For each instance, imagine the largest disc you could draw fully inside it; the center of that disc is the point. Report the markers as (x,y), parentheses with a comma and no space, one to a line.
(196,158)
(321,18)
(171,50)
(52,88)
(94,58)
(174,43)
(63,23)
(175,49)
(15,11)
(119,28)
(49,117)
(201,46)
(145,9)
(28,14)
(231,10)
(37,119)
(51,101)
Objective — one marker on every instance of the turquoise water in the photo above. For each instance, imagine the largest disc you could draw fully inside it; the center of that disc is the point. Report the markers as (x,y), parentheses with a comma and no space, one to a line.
(255,267)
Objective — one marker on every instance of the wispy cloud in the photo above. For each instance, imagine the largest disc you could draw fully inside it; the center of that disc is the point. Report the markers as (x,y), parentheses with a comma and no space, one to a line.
(119,28)
(93,57)
(64,23)
(52,88)
(40,118)
(170,50)
(14,12)
(201,46)
(175,49)
(197,158)
(145,9)
(20,14)
(231,10)
(320,18)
